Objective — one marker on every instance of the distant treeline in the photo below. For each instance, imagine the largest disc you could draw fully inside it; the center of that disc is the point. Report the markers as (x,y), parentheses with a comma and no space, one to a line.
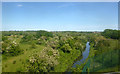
(9,33)
(44,33)
(40,32)
(109,33)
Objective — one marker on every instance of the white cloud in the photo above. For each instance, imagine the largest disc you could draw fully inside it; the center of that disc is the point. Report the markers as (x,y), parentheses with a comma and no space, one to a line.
(19,5)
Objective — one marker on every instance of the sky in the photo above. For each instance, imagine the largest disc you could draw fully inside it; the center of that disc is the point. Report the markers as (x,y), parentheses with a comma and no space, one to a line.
(59,16)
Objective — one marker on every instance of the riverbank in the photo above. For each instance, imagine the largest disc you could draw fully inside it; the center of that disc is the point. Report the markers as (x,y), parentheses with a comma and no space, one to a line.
(80,60)
(69,68)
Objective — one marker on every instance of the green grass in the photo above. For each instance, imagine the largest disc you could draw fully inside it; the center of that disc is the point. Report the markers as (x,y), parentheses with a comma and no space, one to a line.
(112,69)
(107,60)
(8,65)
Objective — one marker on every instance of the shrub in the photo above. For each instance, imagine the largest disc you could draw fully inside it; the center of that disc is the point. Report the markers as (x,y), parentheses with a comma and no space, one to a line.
(27,38)
(19,69)
(14,62)
(6,65)
(33,46)
(15,50)
(66,48)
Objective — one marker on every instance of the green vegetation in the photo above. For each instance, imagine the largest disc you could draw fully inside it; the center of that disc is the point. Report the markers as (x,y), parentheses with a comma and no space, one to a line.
(11,48)
(104,53)
(43,33)
(42,51)
(114,34)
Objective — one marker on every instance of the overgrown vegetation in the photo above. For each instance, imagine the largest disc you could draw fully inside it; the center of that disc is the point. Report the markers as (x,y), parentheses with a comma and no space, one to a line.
(104,53)
(114,34)
(42,51)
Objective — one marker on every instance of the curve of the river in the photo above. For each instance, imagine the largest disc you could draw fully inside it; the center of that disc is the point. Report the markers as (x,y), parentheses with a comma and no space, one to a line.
(84,54)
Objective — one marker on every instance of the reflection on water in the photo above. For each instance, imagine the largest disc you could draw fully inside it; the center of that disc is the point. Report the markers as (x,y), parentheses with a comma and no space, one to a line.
(84,54)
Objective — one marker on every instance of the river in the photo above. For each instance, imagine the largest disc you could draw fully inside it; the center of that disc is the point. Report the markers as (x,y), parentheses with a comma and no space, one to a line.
(84,54)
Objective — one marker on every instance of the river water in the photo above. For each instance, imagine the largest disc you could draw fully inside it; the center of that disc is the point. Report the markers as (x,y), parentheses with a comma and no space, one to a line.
(84,54)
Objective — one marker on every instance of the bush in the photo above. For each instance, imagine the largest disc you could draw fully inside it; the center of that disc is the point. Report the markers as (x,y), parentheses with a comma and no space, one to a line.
(15,50)
(4,38)
(14,62)
(33,46)
(66,48)
(6,65)
(19,70)
(38,65)
(27,38)
(11,49)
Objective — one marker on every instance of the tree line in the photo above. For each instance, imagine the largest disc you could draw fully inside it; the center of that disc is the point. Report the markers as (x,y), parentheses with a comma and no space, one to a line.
(113,34)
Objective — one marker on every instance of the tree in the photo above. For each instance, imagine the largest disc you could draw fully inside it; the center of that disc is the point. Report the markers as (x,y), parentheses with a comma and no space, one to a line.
(42,62)
(66,48)
(43,33)
(15,50)
(27,38)
(109,33)
(4,38)
(11,49)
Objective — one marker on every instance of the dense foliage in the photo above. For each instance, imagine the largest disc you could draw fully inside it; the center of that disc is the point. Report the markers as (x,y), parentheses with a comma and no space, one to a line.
(43,33)
(43,51)
(11,48)
(109,33)
(43,62)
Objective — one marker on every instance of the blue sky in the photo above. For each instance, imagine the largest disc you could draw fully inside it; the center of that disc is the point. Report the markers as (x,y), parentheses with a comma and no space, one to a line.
(60,16)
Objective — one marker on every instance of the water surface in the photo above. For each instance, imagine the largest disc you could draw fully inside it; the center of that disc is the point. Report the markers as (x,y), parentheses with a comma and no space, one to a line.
(84,54)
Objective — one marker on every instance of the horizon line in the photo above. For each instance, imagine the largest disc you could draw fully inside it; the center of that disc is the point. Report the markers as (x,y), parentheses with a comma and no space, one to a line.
(62,30)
